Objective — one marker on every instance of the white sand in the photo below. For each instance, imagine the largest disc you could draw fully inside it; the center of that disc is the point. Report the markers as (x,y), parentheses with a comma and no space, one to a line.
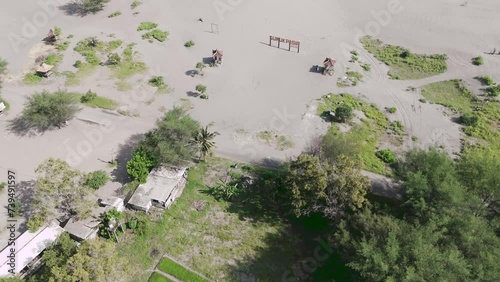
(258,87)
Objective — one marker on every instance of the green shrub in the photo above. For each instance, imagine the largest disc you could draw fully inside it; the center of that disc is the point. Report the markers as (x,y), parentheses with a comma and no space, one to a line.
(477,61)
(114,59)
(2,186)
(387,156)
(201,88)
(354,53)
(493,91)
(70,36)
(486,80)
(391,110)
(156,34)
(132,224)
(78,64)
(157,81)
(189,44)
(135,4)
(139,166)
(35,222)
(397,127)
(88,97)
(366,67)
(204,96)
(343,113)
(115,14)
(96,179)
(147,26)
(469,119)
(354,76)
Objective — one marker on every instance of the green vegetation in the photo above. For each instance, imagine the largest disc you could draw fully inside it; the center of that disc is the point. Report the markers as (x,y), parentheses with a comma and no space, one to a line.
(203,141)
(493,90)
(366,67)
(32,78)
(135,4)
(284,143)
(45,110)
(53,59)
(88,48)
(343,113)
(402,63)
(128,66)
(63,46)
(391,110)
(486,80)
(355,76)
(157,81)
(112,45)
(96,179)
(280,142)
(200,66)
(113,59)
(57,31)
(477,61)
(157,277)
(157,34)
(469,119)
(362,139)
(90,99)
(84,70)
(451,94)
(115,14)
(188,44)
(170,267)
(387,156)
(147,26)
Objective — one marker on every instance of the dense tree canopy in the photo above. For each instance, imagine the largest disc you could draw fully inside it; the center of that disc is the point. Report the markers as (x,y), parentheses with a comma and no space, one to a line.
(60,192)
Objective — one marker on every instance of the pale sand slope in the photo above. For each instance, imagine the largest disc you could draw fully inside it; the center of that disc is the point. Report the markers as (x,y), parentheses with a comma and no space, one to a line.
(258,87)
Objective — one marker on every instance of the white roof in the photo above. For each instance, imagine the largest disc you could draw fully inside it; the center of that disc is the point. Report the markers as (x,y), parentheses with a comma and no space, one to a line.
(82,229)
(113,202)
(27,247)
(159,185)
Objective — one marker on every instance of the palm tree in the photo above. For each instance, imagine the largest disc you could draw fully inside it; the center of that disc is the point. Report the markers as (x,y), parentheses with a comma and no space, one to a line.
(204,142)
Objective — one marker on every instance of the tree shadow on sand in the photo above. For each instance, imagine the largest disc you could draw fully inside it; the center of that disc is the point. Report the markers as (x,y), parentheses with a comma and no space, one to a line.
(124,154)
(20,127)
(25,191)
(74,9)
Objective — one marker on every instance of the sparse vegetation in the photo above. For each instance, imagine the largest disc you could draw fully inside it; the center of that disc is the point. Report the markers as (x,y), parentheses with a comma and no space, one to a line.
(135,4)
(114,59)
(485,80)
(53,59)
(354,76)
(403,63)
(147,26)
(189,44)
(156,34)
(90,99)
(477,61)
(493,90)
(366,67)
(32,78)
(129,67)
(115,14)
(391,110)
(57,31)
(157,81)
(451,94)
(63,46)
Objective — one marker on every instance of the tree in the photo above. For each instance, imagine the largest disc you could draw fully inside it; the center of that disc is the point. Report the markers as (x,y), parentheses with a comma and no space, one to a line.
(95,261)
(96,179)
(343,113)
(60,192)
(203,141)
(170,142)
(44,110)
(114,59)
(306,182)
(92,6)
(139,166)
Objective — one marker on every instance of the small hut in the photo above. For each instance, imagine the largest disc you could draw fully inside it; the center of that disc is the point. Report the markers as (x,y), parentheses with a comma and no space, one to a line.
(217,55)
(329,66)
(51,36)
(45,70)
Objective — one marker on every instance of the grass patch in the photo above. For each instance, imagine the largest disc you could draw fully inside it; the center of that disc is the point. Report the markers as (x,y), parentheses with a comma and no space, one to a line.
(63,46)
(366,67)
(284,143)
(206,239)
(170,267)
(477,61)
(403,63)
(32,78)
(451,94)
(493,90)
(367,133)
(128,66)
(266,136)
(115,14)
(102,103)
(147,26)
(53,59)
(157,34)
(157,277)
(354,76)
(188,44)
(280,142)
(113,45)
(84,70)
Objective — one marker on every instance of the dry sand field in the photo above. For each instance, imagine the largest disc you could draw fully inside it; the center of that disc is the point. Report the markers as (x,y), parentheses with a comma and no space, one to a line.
(257,88)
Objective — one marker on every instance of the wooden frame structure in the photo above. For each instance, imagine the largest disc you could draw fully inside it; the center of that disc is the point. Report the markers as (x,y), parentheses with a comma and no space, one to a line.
(329,66)
(291,43)
(217,56)
(45,70)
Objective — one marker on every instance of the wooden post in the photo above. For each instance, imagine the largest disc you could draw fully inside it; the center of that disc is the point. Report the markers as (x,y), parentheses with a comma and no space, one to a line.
(298,48)
(270,36)
(289,45)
